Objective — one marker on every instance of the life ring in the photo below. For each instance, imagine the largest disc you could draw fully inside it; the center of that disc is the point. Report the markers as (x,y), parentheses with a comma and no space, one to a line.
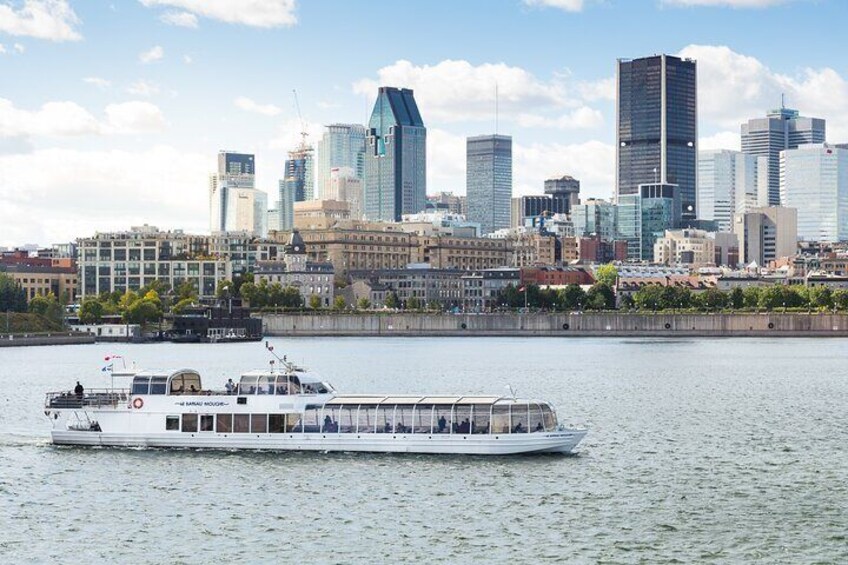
(138,403)
(565,326)
(667,326)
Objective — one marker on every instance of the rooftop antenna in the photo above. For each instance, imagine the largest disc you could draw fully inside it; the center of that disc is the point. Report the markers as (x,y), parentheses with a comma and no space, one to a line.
(782,100)
(496,108)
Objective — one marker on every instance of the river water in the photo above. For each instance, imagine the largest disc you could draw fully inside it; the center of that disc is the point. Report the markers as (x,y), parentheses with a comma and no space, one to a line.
(704,450)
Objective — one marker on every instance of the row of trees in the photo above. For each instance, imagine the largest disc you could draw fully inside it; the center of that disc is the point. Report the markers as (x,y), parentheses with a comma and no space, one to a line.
(776,297)
(12,296)
(146,305)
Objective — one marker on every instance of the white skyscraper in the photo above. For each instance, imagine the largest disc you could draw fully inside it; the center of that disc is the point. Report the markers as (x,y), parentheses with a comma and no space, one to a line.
(730,182)
(347,187)
(234,202)
(814,180)
(342,145)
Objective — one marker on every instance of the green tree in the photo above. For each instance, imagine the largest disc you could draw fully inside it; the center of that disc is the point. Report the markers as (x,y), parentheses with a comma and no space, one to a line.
(820,297)
(751,296)
(391,300)
(186,289)
(12,296)
(648,297)
(571,297)
(291,298)
(674,297)
(339,303)
(413,304)
(180,306)
(600,297)
(314,301)
(712,299)
(48,307)
(607,274)
(840,299)
(142,311)
(91,311)
(249,293)
(127,299)
(511,297)
(737,298)
(363,304)
(225,289)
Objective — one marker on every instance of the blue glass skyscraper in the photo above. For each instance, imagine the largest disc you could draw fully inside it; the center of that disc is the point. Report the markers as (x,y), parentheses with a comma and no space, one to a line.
(395,157)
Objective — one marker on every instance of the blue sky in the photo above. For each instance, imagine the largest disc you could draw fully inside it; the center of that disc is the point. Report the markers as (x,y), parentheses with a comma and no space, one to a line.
(111,113)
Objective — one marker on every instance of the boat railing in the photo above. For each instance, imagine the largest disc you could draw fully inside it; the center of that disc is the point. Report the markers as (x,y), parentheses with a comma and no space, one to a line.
(92,398)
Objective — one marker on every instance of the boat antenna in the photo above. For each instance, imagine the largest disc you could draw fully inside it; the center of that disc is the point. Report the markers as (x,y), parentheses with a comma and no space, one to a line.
(283,360)
(511,391)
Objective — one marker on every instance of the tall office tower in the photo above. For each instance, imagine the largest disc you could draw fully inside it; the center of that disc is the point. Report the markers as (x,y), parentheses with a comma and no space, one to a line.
(488,184)
(657,126)
(814,180)
(766,234)
(342,145)
(781,129)
(234,202)
(595,218)
(300,168)
(643,218)
(730,182)
(288,190)
(395,181)
(346,186)
(565,193)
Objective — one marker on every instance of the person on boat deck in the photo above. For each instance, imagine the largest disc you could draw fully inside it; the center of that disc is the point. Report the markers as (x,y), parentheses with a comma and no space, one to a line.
(79,390)
(328,423)
(539,427)
(229,386)
(193,390)
(519,429)
(442,423)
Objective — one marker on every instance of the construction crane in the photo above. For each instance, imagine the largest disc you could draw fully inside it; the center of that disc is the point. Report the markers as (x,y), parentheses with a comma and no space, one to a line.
(303,133)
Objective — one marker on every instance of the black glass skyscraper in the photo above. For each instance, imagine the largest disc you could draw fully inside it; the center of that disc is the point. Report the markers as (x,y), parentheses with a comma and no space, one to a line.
(230,163)
(395,157)
(657,126)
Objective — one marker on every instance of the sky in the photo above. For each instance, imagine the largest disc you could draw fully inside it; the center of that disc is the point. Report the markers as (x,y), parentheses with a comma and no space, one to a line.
(112,113)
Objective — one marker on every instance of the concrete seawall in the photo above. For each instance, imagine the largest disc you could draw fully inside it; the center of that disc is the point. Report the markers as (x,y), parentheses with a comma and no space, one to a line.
(45,339)
(563,325)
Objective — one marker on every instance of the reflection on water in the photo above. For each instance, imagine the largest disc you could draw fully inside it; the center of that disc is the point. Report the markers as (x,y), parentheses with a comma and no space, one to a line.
(699,450)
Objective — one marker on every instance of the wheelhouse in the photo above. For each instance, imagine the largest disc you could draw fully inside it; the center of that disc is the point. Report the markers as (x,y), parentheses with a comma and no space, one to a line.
(184,381)
(289,383)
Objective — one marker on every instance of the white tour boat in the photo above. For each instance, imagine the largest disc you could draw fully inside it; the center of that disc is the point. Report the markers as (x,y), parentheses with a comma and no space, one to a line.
(286,408)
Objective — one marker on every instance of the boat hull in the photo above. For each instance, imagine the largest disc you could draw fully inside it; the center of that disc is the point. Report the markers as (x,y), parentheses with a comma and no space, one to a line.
(562,441)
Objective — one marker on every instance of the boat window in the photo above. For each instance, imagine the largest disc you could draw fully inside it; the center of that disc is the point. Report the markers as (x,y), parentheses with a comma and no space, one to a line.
(172,423)
(480,419)
(403,419)
(140,385)
(276,423)
(247,385)
(312,419)
(158,385)
(442,419)
(347,419)
(423,419)
(385,418)
(177,384)
(330,422)
(241,423)
(294,423)
(550,418)
(462,419)
(259,423)
(282,384)
(537,423)
(366,419)
(518,419)
(191,383)
(189,422)
(324,388)
(265,385)
(207,421)
(500,419)
(224,423)
(294,384)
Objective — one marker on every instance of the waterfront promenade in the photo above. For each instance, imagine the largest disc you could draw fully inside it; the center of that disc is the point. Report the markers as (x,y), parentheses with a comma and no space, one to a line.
(599,324)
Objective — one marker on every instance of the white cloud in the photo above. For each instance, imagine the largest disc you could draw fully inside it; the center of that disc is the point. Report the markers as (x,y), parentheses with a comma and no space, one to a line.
(163,186)
(721,140)
(181,19)
(2,49)
(583,117)
(733,88)
(288,135)
(457,91)
(19,48)
(725,3)
(603,89)
(143,88)
(68,119)
(53,20)
(567,5)
(97,81)
(187,59)
(134,117)
(255,13)
(248,105)
(153,54)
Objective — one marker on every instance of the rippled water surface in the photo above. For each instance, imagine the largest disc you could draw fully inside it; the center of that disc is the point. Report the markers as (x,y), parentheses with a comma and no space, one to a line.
(699,451)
